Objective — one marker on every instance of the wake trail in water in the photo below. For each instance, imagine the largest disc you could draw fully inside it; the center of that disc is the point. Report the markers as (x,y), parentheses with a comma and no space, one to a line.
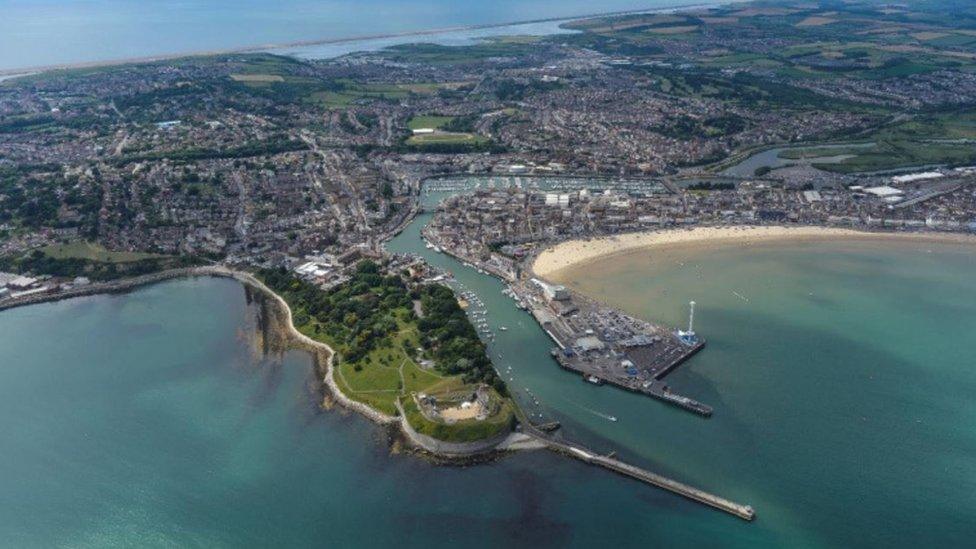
(607,417)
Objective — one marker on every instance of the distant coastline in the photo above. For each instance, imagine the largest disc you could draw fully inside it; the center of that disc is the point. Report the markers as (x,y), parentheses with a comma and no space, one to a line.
(6,74)
(554,259)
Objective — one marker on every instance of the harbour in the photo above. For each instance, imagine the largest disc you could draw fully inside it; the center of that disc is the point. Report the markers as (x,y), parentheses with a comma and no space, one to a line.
(465,267)
(212,403)
(601,344)
(505,274)
(593,340)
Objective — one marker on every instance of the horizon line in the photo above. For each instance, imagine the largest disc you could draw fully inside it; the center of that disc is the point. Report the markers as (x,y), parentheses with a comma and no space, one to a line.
(266,48)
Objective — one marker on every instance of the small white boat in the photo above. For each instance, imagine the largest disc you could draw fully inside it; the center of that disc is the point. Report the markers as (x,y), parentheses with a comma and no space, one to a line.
(503,328)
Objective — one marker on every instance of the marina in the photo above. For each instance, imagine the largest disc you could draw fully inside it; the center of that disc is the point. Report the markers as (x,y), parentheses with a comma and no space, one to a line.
(320,462)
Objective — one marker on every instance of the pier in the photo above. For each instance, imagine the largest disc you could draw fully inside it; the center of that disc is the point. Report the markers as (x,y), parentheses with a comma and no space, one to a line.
(655,389)
(586,455)
(604,345)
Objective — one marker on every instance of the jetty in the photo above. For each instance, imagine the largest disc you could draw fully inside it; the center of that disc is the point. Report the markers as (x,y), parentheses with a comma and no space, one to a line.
(586,455)
(654,387)
(604,345)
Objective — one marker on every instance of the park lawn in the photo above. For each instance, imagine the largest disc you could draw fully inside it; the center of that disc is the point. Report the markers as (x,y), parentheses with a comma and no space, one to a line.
(352,92)
(93,252)
(429,121)
(333,100)
(384,402)
(371,377)
(378,381)
(393,91)
(419,380)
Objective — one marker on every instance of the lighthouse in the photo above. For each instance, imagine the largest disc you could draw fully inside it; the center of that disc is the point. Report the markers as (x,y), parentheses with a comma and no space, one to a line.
(689,337)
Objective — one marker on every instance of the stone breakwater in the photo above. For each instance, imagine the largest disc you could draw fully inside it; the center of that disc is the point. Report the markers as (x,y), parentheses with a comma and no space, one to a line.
(323,353)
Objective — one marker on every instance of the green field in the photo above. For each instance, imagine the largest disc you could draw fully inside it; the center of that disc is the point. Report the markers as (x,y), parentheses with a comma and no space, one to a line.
(426,88)
(92,261)
(350,93)
(92,252)
(818,152)
(388,371)
(328,93)
(439,54)
(429,121)
(347,92)
(926,139)
(845,42)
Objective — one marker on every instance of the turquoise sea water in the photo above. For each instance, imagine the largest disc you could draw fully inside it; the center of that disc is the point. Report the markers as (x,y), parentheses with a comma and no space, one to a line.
(45,32)
(843,412)
(146,420)
(842,376)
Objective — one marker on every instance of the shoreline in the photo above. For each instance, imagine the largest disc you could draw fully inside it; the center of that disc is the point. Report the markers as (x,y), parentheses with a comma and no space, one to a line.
(433,450)
(17,72)
(554,259)
(321,353)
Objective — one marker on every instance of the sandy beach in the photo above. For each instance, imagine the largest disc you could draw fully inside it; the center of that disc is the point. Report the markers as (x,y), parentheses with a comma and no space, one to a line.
(574,252)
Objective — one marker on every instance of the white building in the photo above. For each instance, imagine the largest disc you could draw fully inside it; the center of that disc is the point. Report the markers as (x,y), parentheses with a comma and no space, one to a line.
(908,178)
(21,283)
(884,191)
